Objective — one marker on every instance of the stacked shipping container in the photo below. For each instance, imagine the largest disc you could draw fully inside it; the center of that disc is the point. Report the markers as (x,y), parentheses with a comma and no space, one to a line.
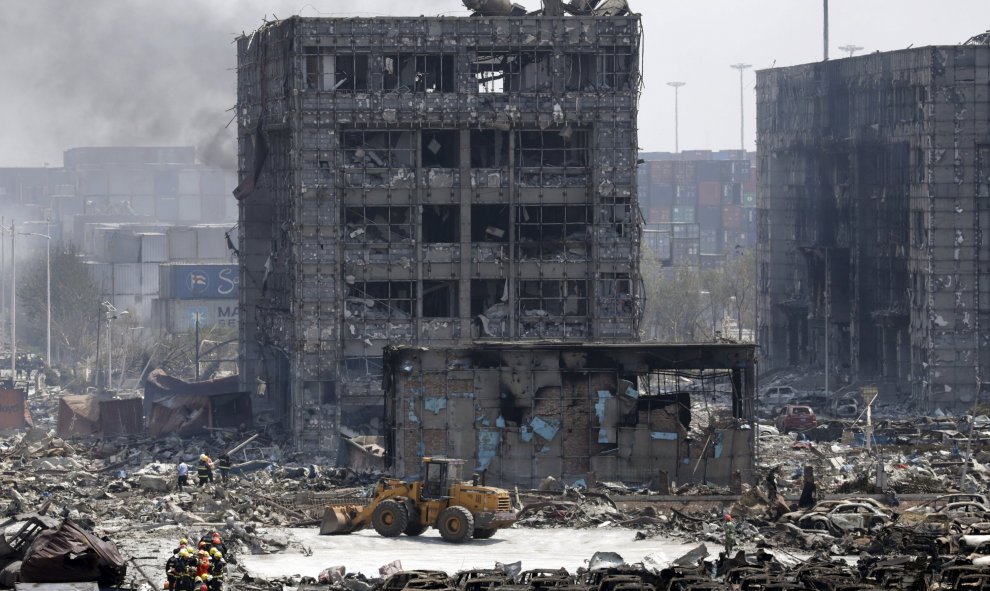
(713,193)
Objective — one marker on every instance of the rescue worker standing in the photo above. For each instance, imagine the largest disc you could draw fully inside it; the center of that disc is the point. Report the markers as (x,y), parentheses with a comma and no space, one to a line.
(171,571)
(729,531)
(217,565)
(205,470)
(223,464)
(183,472)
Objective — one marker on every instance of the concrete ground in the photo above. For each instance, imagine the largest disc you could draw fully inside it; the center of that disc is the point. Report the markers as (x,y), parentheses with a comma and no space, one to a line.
(366,551)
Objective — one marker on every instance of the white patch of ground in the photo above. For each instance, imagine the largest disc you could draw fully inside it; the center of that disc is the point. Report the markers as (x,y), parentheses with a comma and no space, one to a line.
(366,551)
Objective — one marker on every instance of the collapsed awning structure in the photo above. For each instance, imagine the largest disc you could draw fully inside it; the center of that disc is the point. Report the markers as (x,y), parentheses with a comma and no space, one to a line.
(524,411)
(99,415)
(174,406)
(69,554)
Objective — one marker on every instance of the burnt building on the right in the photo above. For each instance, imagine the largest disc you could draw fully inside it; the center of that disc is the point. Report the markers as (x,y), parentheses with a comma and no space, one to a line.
(874,199)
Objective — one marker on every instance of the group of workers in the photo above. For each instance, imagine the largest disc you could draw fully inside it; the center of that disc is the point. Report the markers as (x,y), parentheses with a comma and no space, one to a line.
(197,568)
(204,470)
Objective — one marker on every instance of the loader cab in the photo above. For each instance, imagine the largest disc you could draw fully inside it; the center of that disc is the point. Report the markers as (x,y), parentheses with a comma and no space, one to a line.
(439,475)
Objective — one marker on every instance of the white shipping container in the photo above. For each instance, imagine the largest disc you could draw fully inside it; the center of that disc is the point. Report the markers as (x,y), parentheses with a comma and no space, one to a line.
(126,279)
(143,205)
(149,279)
(139,310)
(95,240)
(100,274)
(154,248)
(189,182)
(143,182)
(182,244)
(212,243)
(189,208)
(123,246)
(119,182)
(167,209)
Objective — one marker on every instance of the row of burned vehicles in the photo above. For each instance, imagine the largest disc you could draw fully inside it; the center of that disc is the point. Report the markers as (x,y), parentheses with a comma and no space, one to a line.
(947,524)
(759,571)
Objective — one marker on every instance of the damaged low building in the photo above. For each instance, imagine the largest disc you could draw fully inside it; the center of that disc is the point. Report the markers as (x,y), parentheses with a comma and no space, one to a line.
(430,181)
(618,412)
(874,187)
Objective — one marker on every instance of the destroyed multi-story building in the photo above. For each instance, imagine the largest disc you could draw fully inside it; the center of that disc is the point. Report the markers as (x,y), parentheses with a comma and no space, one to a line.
(874,187)
(428,181)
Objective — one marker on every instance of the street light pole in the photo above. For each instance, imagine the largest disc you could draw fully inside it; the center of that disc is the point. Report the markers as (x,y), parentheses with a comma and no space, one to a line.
(676,86)
(13,305)
(112,314)
(742,105)
(825,27)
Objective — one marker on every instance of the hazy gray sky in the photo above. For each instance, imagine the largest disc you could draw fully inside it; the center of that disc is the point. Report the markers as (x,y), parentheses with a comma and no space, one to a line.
(148,72)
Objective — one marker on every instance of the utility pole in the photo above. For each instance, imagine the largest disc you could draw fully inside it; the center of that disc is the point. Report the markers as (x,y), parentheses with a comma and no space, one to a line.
(197,346)
(676,86)
(742,105)
(13,304)
(851,49)
(3,270)
(825,28)
(828,319)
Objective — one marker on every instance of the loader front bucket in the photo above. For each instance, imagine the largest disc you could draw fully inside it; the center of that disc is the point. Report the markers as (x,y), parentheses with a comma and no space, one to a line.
(340,519)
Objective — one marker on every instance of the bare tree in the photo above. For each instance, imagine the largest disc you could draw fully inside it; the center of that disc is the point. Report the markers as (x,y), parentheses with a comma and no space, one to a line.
(75,305)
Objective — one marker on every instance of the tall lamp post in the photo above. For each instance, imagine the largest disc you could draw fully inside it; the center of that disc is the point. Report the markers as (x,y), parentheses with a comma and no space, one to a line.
(111,314)
(742,105)
(13,305)
(676,86)
(48,293)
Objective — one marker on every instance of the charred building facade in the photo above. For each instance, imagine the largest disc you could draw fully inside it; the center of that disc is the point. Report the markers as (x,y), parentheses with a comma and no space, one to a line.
(874,204)
(428,181)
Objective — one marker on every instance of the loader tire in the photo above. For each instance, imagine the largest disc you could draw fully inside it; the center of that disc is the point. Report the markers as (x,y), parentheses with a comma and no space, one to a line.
(390,519)
(456,524)
(415,528)
(481,533)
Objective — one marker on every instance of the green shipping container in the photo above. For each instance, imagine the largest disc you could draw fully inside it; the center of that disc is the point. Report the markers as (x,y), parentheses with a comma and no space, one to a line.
(683,214)
(749,200)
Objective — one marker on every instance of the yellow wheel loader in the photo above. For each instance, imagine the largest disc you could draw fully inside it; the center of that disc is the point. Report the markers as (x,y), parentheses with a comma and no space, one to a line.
(440,498)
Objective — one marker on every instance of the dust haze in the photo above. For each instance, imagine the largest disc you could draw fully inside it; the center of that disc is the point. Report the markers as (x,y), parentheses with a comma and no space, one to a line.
(104,73)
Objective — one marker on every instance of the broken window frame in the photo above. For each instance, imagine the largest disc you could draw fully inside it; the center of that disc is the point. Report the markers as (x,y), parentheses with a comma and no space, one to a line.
(325,392)
(378,224)
(390,301)
(432,298)
(419,72)
(326,71)
(615,68)
(487,220)
(489,149)
(448,154)
(498,71)
(368,367)
(554,232)
(556,157)
(439,230)
(581,73)
(378,149)
(552,297)
(615,295)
